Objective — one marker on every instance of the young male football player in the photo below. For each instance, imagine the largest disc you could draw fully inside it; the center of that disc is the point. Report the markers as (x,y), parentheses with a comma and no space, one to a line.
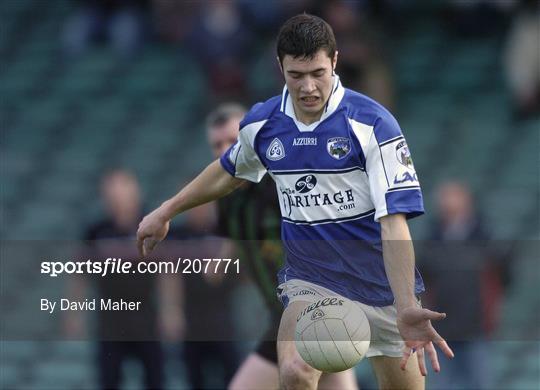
(346,185)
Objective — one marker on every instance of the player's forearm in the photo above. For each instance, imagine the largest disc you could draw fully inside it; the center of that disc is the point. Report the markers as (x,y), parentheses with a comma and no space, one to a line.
(211,184)
(398,253)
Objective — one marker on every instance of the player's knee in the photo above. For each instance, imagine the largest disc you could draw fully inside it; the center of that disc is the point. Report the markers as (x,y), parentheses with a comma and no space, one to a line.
(297,374)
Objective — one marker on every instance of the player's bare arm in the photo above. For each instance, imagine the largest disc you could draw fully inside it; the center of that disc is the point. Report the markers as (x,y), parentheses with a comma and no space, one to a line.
(211,184)
(414,322)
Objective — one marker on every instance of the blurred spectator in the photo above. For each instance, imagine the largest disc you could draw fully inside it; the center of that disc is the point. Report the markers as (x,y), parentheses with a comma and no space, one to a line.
(121,23)
(461,276)
(221,42)
(522,59)
(222,127)
(173,19)
(476,17)
(208,345)
(263,17)
(124,335)
(361,63)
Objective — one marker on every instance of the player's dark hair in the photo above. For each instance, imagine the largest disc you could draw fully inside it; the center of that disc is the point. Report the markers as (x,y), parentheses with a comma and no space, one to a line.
(303,36)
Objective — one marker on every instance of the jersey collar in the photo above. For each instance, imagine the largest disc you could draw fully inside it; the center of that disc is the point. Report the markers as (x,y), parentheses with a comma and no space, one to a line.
(333,102)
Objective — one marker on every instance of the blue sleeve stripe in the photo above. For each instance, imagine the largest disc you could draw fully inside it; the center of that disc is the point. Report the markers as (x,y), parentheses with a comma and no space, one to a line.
(408,202)
(226,163)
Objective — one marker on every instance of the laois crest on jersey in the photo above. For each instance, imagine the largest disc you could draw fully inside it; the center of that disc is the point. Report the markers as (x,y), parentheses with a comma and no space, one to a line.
(335,178)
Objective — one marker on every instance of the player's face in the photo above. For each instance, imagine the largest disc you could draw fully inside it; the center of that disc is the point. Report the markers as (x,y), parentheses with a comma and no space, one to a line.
(309,82)
(223,136)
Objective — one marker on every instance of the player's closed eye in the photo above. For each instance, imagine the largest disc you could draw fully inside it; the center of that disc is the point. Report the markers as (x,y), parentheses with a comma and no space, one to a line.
(297,76)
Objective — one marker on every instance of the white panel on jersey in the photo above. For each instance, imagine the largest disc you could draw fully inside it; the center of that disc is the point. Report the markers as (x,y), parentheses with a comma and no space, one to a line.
(243,156)
(388,165)
(323,196)
(390,168)
(363,132)
(398,164)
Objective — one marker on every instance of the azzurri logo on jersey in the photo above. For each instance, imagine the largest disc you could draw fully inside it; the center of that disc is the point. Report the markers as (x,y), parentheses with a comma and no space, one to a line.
(338,147)
(275,151)
(305,183)
(305,141)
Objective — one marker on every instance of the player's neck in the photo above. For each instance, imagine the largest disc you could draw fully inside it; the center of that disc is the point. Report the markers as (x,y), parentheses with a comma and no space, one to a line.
(307,118)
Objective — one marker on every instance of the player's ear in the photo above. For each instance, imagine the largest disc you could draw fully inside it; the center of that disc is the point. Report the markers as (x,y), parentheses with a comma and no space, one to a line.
(334,62)
(279,64)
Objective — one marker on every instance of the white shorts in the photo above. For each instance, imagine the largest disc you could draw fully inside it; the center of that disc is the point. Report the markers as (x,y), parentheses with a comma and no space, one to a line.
(385,337)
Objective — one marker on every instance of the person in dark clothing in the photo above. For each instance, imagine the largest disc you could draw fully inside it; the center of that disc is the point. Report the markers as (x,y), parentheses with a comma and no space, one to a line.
(125,334)
(251,217)
(459,265)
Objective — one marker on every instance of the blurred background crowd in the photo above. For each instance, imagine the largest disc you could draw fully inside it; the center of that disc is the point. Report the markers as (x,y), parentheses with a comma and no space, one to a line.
(109,97)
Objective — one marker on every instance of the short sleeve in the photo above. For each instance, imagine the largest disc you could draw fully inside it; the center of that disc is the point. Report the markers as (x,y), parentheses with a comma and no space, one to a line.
(394,185)
(241,159)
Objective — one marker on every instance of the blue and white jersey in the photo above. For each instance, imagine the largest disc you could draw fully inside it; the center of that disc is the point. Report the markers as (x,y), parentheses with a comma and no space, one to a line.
(335,178)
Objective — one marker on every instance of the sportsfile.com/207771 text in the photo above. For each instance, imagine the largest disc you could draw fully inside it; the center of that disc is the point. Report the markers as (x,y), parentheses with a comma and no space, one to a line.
(114,265)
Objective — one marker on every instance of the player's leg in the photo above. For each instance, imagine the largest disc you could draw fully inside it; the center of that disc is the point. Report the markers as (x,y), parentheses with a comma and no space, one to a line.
(386,349)
(256,373)
(260,369)
(391,376)
(294,372)
(345,380)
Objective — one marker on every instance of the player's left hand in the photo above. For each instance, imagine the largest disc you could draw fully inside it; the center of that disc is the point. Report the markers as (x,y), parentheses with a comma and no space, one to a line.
(414,324)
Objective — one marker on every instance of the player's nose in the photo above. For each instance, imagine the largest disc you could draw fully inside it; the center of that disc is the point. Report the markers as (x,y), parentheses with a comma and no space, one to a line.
(308,86)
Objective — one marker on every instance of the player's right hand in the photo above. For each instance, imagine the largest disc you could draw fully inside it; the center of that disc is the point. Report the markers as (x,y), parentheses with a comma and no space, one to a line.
(152,230)
(414,324)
